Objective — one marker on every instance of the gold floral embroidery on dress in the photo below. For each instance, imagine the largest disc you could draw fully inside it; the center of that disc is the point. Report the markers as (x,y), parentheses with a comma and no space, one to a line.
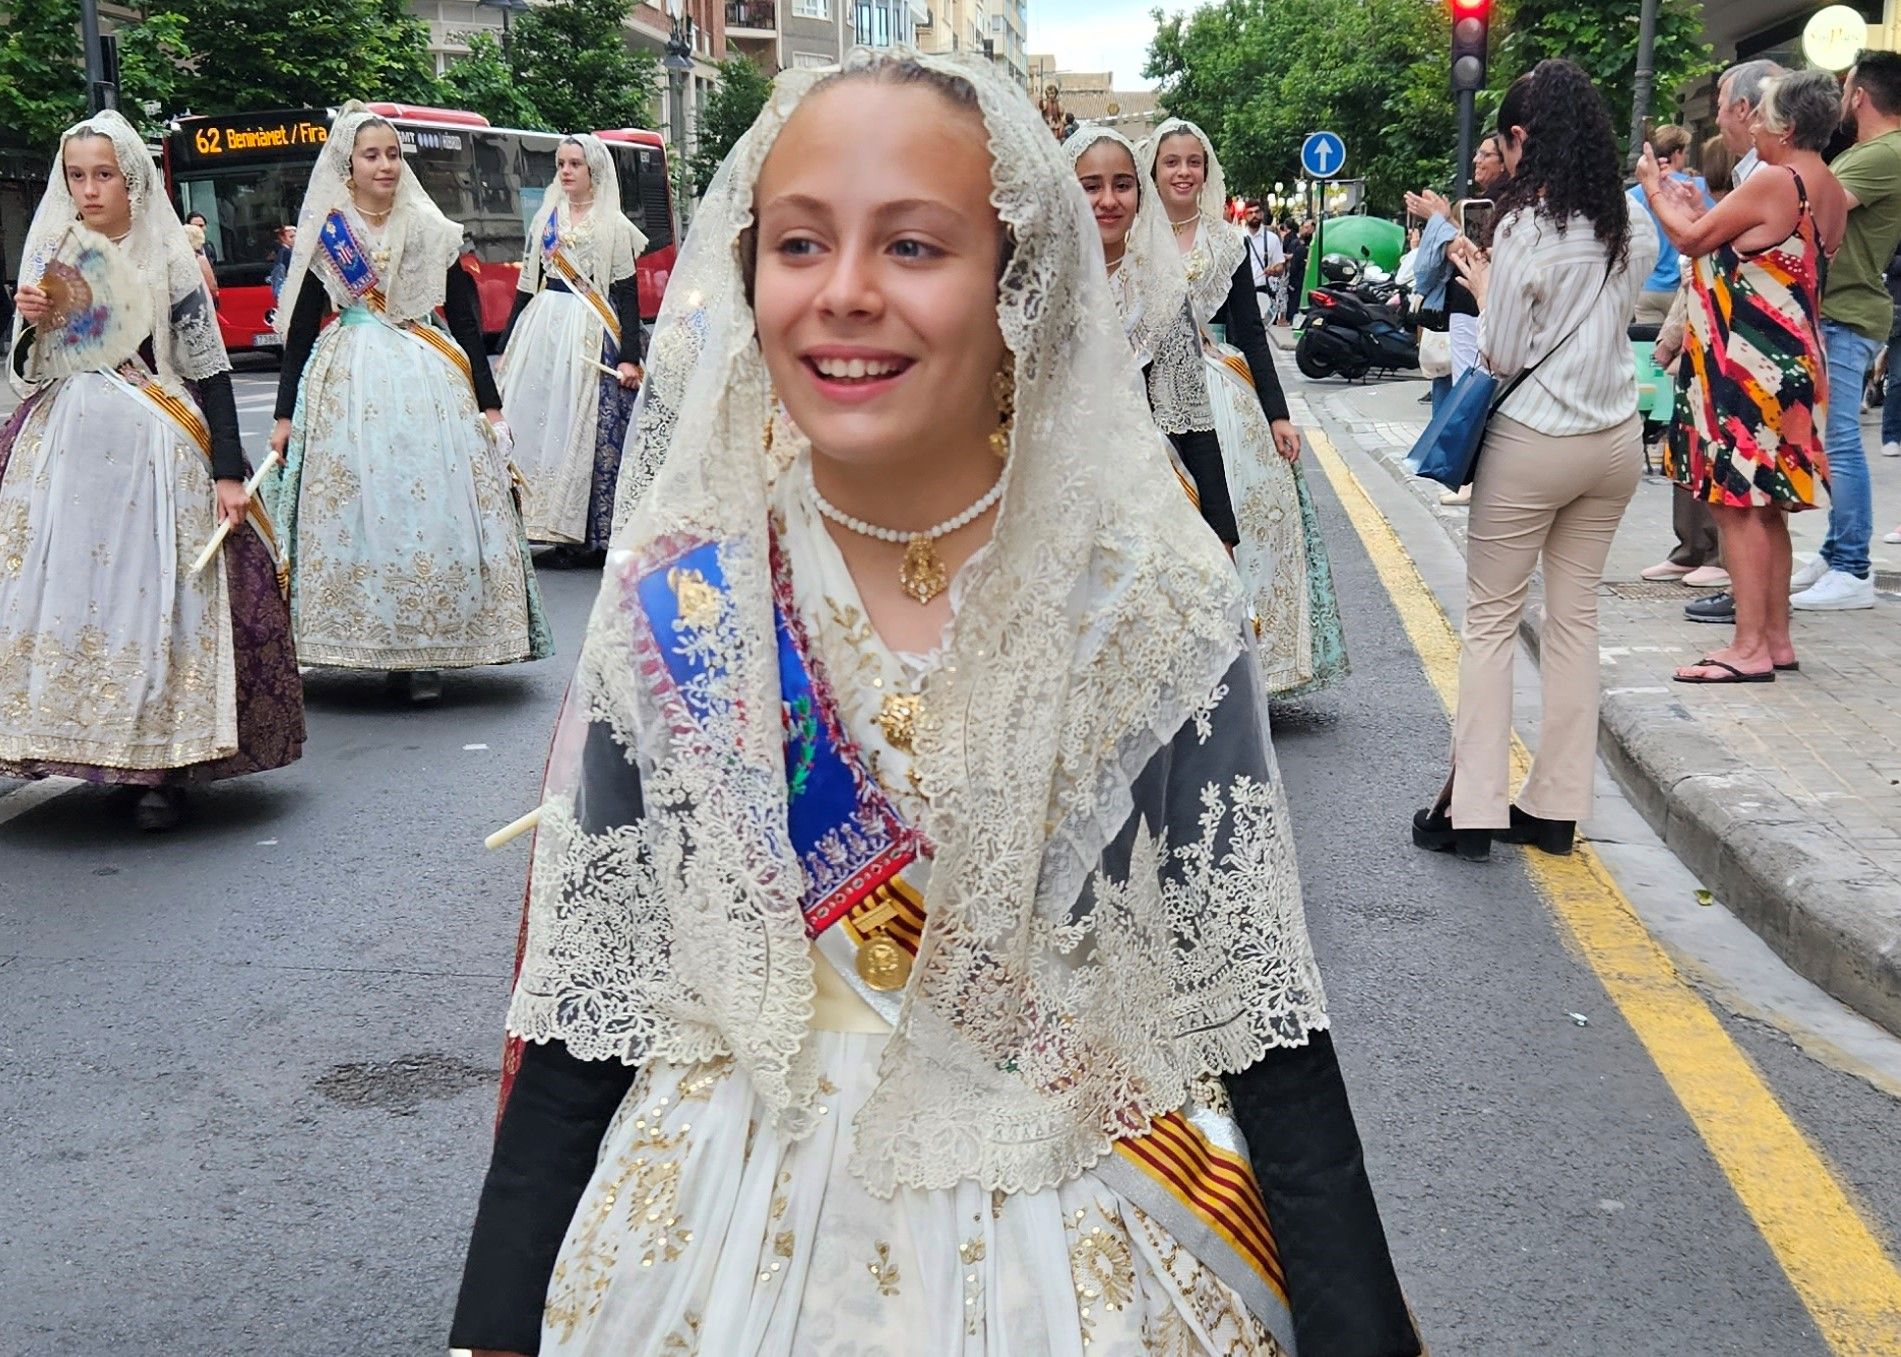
(86,700)
(784,1244)
(15,534)
(637,1204)
(1216,1311)
(683,1344)
(1103,1268)
(970,1253)
(883,1271)
(698,1083)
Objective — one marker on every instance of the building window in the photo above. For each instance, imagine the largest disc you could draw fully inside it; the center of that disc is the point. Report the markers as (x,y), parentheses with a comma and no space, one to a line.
(812,9)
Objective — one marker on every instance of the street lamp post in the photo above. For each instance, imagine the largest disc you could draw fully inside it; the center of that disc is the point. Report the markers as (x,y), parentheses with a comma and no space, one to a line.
(508,8)
(101,91)
(679,61)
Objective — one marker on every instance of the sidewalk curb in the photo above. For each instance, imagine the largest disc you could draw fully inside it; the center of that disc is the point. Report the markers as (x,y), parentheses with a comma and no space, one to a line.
(1813,895)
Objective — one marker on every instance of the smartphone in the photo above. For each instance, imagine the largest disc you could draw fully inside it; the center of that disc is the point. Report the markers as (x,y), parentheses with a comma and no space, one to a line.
(1475,217)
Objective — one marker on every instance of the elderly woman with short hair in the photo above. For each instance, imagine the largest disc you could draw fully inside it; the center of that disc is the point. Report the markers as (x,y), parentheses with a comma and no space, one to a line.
(1753,381)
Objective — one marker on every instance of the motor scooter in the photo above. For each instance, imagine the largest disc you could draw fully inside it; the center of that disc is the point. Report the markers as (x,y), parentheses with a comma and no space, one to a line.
(1354,323)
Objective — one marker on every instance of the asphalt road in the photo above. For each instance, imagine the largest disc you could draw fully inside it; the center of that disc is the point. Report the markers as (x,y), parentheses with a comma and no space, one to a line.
(247,1069)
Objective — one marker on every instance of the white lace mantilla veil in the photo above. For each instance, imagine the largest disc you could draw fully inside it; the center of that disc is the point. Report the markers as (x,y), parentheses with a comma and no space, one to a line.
(421,241)
(1151,294)
(185,339)
(1211,264)
(617,241)
(1082,966)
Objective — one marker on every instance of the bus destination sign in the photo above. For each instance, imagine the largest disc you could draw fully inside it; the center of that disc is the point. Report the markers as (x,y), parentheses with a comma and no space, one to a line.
(261,135)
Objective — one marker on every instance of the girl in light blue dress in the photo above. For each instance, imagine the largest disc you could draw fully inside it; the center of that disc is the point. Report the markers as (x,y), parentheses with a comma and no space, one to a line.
(396,499)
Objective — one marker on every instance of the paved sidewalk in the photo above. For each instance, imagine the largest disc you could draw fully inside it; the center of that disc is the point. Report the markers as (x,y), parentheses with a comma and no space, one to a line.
(1784,798)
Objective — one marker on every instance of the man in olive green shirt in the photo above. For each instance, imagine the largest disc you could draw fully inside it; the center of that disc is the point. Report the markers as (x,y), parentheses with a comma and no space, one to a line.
(1856,315)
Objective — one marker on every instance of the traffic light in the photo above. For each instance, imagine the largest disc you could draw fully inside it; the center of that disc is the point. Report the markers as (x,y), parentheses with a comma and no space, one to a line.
(1470,19)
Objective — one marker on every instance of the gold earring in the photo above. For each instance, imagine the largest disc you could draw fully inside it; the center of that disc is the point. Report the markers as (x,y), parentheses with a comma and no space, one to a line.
(772,413)
(349,182)
(1003,390)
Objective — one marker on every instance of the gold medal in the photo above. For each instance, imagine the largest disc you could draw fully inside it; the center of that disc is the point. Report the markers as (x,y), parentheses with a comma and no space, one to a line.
(883,964)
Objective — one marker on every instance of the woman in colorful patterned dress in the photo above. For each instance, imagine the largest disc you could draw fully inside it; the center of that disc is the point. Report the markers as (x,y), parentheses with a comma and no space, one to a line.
(395,500)
(1260,474)
(120,663)
(577,312)
(828,1050)
(1752,376)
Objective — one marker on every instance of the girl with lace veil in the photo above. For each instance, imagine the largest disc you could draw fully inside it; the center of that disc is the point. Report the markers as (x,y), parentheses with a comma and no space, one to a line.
(577,311)
(395,498)
(118,662)
(914,959)
(1290,591)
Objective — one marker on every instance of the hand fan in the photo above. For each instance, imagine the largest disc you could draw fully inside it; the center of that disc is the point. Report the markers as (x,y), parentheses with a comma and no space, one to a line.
(101,311)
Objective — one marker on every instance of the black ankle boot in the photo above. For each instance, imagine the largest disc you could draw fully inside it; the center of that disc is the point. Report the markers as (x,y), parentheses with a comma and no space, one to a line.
(160,809)
(1556,837)
(1433,831)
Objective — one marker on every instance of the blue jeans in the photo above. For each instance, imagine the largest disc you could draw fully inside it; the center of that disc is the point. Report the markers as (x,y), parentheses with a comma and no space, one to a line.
(1851,498)
(1891,408)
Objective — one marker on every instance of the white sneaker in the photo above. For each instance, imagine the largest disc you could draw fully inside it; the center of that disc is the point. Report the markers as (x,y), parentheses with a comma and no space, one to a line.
(1893,537)
(1807,575)
(1836,592)
(1891,449)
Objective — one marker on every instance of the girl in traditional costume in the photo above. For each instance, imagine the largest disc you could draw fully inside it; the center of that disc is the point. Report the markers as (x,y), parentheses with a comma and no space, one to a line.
(395,502)
(118,661)
(1303,647)
(572,359)
(914,959)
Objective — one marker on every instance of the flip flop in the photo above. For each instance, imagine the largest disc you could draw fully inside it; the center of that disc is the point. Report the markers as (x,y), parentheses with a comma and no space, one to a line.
(1735,675)
(1793,666)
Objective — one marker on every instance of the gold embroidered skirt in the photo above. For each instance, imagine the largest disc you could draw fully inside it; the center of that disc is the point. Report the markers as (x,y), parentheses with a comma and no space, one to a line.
(704,1230)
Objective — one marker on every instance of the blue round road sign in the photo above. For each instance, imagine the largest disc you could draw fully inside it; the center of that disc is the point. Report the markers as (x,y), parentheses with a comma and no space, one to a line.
(1323,155)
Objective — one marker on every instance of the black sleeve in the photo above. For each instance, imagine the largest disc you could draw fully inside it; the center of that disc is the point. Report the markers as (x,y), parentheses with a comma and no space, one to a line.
(21,350)
(462,304)
(221,414)
(625,298)
(1241,314)
(1200,452)
(514,313)
(545,1151)
(1346,1298)
(306,319)
(551,1129)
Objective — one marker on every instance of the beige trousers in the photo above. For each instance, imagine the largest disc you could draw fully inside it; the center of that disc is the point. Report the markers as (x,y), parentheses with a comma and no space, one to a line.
(1537,497)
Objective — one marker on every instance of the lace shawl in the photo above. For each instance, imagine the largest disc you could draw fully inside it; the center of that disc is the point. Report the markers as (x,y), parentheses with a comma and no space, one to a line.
(604,244)
(1113,904)
(1220,245)
(421,242)
(185,339)
(1150,293)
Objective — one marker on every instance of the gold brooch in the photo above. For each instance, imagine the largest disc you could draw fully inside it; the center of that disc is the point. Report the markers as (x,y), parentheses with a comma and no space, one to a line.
(897,718)
(698,600)
(922,575)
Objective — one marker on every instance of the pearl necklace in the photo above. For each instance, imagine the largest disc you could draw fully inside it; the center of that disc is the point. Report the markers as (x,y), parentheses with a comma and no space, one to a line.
(922,575)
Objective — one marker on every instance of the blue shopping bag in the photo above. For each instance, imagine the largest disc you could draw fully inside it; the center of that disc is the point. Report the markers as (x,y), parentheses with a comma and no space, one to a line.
(1449,447)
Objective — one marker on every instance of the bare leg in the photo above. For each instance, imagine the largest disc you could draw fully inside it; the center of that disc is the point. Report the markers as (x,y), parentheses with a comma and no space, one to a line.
(1748,549)
(1782,560)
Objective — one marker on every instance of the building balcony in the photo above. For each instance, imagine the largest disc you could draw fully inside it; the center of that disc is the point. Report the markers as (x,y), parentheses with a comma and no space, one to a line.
(752,19)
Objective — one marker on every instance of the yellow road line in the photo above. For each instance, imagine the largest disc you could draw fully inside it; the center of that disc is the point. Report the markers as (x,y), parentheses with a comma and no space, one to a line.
(1830,1253)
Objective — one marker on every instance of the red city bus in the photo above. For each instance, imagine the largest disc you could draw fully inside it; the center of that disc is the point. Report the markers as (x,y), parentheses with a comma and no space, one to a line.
(247,172)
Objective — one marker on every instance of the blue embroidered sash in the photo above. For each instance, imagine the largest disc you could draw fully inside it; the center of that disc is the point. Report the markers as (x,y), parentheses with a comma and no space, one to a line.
(848,838)
(347,255)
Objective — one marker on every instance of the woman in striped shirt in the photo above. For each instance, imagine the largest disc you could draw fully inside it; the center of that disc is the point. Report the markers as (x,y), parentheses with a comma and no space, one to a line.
(1561,459)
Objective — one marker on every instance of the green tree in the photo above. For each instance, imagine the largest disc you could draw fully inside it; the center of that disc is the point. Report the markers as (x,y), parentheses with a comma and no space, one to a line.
(240,56)
(1258,75)
(572,63)
(1601,36)
(42,87)
(730,110)
(481,82)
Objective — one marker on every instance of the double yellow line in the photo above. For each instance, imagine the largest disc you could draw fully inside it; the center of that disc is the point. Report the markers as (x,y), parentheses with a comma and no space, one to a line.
(1831,1255)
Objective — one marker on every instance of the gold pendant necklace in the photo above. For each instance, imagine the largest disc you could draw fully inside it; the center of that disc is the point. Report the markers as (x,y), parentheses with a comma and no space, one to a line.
(921,575)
